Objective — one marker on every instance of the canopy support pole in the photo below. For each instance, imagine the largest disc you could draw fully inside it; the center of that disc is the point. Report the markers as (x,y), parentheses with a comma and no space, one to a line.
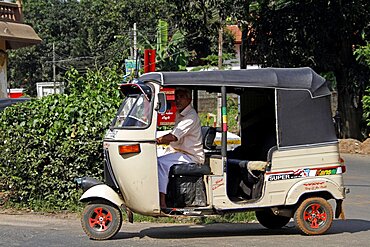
(224,126)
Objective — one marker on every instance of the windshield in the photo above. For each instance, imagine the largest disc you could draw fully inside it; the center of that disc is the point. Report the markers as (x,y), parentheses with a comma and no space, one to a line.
(134,112)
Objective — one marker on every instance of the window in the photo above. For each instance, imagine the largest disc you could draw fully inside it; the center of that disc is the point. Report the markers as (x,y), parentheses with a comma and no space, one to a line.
(134,112)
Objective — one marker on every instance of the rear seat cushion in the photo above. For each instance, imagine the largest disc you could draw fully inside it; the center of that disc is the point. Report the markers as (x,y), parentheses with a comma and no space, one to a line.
(253,167)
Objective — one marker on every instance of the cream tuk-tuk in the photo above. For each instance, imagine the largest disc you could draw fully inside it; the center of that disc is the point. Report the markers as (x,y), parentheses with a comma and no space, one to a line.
(287,166)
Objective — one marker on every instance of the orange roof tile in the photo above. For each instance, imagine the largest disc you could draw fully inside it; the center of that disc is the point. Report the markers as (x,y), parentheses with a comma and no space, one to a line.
(234,29)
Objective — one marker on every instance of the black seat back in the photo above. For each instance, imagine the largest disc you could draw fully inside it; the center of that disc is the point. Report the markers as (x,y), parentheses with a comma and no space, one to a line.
(208,137)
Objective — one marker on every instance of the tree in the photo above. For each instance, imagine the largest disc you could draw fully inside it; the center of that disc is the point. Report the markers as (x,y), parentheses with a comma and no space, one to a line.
(319,34)
(363,56)
(55,22)
(83,33)
(201,21)
(171,53)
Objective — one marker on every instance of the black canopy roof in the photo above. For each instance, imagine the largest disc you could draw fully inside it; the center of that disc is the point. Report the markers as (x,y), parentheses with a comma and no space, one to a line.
(283,78)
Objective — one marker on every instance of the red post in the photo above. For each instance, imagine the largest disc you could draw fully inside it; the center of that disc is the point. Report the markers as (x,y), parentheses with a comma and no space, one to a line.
(149,60)
(152,61)
(146,61)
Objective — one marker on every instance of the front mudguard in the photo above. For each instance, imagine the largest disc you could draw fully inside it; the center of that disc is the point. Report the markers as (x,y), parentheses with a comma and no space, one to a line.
(102,191)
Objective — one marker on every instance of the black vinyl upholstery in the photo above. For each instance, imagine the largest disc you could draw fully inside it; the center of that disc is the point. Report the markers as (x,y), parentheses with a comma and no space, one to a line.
(191,169)
(208,137)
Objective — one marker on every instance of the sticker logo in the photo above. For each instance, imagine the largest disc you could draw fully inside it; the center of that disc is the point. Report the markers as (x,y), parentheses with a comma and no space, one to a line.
(301,173)
(323,172)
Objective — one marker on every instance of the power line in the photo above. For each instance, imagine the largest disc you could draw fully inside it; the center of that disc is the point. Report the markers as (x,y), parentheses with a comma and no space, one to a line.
(70,59)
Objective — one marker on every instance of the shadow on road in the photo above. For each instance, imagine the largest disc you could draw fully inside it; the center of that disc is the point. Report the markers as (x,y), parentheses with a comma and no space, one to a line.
(225,230)
(350,226)
(357,185)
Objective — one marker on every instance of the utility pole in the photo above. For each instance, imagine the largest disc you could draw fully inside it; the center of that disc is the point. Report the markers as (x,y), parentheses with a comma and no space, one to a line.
(135,42)
(54,69)
(220,42)
(136,70)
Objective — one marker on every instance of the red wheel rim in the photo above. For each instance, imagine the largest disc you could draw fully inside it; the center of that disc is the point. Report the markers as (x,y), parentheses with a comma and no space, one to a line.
(100,219)
(315,216)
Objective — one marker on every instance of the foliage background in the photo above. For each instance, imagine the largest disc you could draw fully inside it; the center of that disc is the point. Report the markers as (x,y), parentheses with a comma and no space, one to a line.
(46,143)
(91,34)
(321,34)
(363,56)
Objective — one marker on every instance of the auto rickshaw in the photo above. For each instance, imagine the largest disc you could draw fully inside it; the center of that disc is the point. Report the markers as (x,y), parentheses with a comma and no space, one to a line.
(287,166)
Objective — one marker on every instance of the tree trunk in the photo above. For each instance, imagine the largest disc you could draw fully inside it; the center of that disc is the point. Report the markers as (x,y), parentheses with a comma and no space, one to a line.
(243,48)
(350,112)
(244,28)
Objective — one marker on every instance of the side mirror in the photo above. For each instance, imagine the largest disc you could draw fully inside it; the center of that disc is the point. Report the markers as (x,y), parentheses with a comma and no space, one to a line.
(162,103)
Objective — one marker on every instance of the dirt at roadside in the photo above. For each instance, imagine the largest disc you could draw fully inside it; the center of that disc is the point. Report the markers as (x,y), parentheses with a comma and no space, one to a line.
(58,215)
(353,146)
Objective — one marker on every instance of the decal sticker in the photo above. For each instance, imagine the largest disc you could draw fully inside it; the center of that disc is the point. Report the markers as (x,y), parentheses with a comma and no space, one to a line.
(277,177)
(301,173)
(218,183)
(315,185)
(323,172)
(111,134)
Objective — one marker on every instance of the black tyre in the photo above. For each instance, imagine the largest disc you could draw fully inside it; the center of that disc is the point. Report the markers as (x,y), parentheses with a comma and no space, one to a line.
(101,220)
(314,216)
(271,221)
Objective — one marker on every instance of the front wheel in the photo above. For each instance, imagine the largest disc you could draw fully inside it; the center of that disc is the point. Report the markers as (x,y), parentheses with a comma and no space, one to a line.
(314,216)
(101,220)
(271,221)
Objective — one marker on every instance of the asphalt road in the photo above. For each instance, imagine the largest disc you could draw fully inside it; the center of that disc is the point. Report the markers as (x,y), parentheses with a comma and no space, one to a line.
(38,230)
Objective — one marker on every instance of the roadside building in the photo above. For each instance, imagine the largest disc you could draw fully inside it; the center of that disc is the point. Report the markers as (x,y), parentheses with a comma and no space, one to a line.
(235,63)
(14,34)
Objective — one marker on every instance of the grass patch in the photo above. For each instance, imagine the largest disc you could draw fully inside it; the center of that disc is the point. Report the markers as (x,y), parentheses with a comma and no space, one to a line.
(243,217)
(40,206)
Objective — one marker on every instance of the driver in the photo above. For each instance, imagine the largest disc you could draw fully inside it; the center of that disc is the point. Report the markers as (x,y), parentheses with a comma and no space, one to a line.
(185,141)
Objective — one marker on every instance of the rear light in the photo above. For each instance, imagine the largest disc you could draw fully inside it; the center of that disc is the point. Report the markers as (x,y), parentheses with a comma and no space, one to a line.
(343,166)
(129,149)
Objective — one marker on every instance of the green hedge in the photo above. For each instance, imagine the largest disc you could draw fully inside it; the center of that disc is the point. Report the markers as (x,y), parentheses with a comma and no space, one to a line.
(46,143)
(363,56)
(366,106)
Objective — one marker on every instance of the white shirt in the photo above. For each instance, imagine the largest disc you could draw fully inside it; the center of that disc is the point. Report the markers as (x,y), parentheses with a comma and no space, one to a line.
(187,130)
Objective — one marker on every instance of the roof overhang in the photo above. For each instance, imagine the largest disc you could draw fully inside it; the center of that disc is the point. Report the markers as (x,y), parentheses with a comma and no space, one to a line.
(17,35)
(279,78)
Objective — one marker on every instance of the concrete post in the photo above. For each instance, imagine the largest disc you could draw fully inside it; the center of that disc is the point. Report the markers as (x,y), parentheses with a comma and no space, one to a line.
(3,74)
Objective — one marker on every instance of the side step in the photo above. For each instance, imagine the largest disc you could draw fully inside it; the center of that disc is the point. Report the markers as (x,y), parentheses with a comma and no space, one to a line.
(187,211)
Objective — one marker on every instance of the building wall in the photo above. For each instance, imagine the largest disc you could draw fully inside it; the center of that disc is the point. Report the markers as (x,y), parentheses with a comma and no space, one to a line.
(3,74)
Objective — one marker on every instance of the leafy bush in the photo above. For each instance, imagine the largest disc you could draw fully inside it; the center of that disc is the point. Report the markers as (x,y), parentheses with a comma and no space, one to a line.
(232,115)
(46,143)
(363,56)
(366,106)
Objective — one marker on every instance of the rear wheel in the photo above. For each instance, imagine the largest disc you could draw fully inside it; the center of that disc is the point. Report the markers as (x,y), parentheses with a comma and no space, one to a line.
(271,221)
(314,216)
(101,220)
